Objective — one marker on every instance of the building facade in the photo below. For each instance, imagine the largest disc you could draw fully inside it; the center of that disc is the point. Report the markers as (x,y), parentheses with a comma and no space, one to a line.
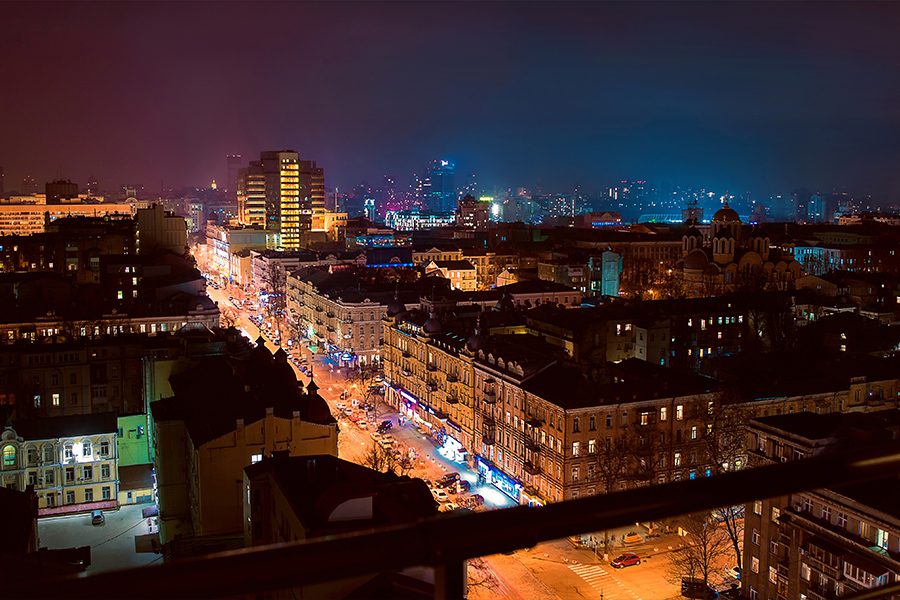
(828,543)
(70,461)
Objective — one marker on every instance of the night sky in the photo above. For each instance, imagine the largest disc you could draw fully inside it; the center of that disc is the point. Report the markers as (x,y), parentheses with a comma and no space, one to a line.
(751,96)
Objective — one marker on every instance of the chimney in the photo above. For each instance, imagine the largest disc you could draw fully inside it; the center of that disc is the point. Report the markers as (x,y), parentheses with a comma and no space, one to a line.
(295,414)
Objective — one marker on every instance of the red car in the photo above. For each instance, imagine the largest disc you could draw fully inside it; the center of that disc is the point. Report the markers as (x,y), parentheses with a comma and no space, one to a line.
(626,560)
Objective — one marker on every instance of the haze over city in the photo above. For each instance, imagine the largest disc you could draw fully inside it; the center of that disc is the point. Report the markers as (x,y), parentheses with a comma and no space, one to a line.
(738,96)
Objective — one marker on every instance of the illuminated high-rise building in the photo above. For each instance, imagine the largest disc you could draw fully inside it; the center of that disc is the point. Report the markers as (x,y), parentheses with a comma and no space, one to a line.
(312,194)
(438,186)
(285,217)
(283,194)
(250,190)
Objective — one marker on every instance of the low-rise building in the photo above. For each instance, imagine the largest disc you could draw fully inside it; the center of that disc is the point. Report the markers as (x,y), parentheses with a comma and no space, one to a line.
(462,274)
(228,412)
(287,499)
(70,462)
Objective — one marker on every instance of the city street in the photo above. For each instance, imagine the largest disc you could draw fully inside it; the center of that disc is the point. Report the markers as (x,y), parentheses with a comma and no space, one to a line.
(559,569)
(113,544)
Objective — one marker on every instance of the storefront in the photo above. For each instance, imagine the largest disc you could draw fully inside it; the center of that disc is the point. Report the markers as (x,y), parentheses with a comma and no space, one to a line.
(450,446)
(489,473)
(532,499)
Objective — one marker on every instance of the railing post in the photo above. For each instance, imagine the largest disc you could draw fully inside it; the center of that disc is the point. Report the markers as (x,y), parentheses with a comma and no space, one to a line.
(450,581)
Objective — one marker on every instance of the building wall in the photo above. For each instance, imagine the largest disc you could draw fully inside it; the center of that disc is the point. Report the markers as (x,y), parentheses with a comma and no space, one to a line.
(809,544)
(217,507)
(133,440)
(348,327)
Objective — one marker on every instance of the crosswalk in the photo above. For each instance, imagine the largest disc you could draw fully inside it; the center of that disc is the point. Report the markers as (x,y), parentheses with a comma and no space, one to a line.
(607,586)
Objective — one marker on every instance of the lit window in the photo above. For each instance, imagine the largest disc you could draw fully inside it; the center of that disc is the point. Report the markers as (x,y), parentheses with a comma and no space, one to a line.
(663,413)
(55,398)
(255,458)
(754,564)
(679,412)
(678,459)
(576,446)
(694,432)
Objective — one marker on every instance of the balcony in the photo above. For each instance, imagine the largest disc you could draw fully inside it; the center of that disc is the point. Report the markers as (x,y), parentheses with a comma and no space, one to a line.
(431,386)
(488,436)
(489,396)
(406,354)
(452,378)
(532,444)
(406,372)
(432,368)
(329,314)
(532,468)
(452,399)
(319,309)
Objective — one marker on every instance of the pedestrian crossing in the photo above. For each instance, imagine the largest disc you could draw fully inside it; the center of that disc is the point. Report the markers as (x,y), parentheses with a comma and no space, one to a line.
(607,586)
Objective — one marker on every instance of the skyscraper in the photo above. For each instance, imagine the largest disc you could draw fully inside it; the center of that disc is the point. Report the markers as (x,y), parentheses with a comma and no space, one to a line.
(284,215)
(283,194)
(92,187)
(250,190)
(312,195)
(438,187)
(29,185)
(233,164)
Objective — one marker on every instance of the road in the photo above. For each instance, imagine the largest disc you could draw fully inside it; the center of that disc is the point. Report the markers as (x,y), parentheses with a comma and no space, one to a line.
(553,570)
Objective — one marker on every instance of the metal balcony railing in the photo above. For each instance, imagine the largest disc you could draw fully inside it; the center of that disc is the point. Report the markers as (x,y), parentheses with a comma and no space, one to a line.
(447,541)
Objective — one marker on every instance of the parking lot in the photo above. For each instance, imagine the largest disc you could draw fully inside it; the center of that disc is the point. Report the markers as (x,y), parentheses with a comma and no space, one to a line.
(112,544)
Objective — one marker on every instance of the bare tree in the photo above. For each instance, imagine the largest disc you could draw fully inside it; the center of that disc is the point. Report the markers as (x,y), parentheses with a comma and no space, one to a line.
(275,283)
(387,460)
(725,439)
(612,464)
(704,545)
(228,317)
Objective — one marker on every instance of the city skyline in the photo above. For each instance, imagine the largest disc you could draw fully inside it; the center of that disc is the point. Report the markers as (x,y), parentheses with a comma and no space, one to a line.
(734,96)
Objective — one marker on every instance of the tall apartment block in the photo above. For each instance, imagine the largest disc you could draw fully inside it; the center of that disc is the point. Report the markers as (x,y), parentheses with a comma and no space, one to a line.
(283,194)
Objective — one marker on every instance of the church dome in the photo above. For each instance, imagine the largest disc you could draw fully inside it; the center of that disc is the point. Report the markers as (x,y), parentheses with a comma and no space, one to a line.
(696,259)
(432,326)
(395,307)
(726,214)
(693,232)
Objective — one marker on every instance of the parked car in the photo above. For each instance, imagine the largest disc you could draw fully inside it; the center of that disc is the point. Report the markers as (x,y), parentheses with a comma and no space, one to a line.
(462,486)
(626,560)
(692,587)
(340,406)
(362,424)
(440,495)
(354,403)
(388,437)
(448,507)
(447,480)
(97,517)
(376,436)
(386,425)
